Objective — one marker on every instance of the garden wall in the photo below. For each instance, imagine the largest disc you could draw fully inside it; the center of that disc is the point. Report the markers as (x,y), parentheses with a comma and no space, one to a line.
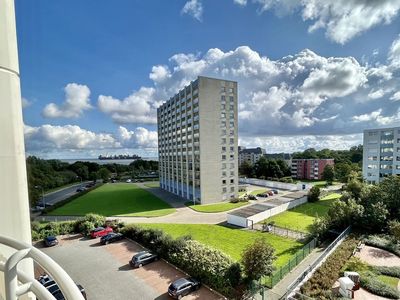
(275,184)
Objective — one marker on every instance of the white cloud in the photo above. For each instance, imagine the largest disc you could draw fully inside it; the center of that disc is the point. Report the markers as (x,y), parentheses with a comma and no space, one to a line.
(49,138)
(139,107)
(240,2)
(395,96)
(394,53)
(193,8)
(377,118)
(342,19)
(289,144)
(138,138)
(76,102)
(25,102)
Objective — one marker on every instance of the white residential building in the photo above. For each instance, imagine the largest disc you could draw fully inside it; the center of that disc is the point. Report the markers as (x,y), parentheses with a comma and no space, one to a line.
(198,141)
(251,155)
(381,153)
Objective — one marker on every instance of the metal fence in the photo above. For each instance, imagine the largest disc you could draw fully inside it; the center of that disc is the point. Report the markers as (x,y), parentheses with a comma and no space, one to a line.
(293,286)
(278,275)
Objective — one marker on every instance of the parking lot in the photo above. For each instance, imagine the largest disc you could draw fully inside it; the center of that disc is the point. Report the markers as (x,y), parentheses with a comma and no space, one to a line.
(105,273)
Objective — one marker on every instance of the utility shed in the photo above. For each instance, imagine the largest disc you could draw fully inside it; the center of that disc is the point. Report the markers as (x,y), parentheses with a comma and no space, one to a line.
(247,216)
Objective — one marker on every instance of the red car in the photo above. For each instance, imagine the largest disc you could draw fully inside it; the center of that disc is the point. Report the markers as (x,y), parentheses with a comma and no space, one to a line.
(271,193)
(100,231)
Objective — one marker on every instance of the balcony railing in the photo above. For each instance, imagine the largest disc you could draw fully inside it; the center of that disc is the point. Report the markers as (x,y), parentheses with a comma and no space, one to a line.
(18,283)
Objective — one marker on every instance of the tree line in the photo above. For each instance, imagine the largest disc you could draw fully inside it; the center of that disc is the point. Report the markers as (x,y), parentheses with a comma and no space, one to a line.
(44,175)
(265,169)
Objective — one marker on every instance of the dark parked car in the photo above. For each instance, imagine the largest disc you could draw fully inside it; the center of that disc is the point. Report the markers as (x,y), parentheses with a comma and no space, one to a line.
(142,258)
(54,289)
(50,241)
(275,191)
(100,231)
(252,197)
(80,189)
(264,195)
(111,237)
(182,287)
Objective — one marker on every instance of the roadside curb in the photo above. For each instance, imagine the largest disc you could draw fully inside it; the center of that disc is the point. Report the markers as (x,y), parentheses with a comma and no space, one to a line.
(178,269)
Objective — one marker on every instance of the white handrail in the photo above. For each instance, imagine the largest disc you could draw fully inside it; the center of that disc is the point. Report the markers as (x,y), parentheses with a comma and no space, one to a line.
(12,275)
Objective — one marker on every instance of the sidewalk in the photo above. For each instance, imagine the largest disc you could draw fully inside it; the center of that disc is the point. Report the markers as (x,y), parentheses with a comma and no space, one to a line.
(280,289)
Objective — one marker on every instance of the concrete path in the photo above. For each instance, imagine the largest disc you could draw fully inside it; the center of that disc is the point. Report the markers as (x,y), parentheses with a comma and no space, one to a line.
(280,289)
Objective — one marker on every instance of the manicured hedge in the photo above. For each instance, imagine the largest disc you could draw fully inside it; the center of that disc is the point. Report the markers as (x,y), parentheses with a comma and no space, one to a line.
(208,265)
(319,285)
(388,271)
(385,242)
(376,287)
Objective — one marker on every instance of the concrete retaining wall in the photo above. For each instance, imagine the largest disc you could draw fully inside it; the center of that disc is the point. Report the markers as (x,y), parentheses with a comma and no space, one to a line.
(276,184)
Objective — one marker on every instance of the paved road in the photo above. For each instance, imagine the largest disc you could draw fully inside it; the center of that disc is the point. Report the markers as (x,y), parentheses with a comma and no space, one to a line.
(62,194)
(105,274)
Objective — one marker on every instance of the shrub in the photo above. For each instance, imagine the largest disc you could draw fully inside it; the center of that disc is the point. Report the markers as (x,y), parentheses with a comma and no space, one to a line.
(370,283)
(326,275)
(385,242)
(394,229)
(234,200)
(209,265)
(388,271)
(85,227)
(313,194)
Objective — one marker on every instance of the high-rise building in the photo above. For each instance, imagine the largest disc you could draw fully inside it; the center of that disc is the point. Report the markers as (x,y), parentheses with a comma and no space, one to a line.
(310,169)
(381,153)
(250,155)
(198,141)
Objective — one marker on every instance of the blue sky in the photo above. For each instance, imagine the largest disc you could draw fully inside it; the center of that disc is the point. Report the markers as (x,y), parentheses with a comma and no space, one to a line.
(107,65)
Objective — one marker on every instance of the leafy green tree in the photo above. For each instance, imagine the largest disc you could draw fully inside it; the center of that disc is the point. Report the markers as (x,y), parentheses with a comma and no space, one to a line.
(354,187)
(104,174)
(342,172)
(313,194)
(246,169)
(328,174)
(258,259)
(390,188)
(342,214)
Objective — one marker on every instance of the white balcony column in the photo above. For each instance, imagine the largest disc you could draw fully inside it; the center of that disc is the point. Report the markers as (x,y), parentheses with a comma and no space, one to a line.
(14,203)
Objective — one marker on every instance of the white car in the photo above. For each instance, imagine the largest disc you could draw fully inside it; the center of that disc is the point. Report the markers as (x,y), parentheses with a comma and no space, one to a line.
(128,180)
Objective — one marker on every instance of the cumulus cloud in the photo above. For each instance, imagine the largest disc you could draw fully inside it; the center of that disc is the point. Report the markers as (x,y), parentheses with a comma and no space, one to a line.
(342,20)
(139,107)
(76,102)
(193,8)
(240,2)
(74,138)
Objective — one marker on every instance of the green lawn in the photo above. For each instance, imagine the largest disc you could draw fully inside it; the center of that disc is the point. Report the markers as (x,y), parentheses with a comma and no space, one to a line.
(214,208)
(302,217)
(231,241)
(255,192)
(117,199)
(152,184)
(391,281)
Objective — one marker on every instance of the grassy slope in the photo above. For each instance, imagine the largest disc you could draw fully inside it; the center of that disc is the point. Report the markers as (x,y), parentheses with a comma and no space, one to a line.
(118,199)
(152,184)
(231,241)
(302,217)
(217,207)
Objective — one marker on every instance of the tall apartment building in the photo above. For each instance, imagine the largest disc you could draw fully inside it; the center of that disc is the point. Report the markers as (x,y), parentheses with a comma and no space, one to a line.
(310,169)
(251,155)
(381,153)
(198,141)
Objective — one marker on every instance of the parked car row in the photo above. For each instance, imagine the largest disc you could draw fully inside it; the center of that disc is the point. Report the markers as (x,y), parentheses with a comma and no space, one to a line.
(49,283)
(268,193)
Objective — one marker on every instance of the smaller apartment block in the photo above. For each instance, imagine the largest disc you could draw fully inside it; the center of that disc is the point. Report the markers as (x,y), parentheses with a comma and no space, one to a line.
(381,154)
(310,169)
(251,155)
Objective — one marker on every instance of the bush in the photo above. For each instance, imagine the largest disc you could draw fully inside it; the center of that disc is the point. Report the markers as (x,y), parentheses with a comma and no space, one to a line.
(326,275)
(313,194)
(234,200)
(86,227)
(385,242)
(373,285)
(209,265)
(388,271)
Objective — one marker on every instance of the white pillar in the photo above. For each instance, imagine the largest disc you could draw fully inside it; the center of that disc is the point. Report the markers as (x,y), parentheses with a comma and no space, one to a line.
(14,203)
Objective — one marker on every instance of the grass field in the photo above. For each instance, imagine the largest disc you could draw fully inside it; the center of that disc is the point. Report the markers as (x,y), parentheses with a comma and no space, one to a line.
(152,184)
(302,217)
(214,208)
(391,281)
(230,241)
(117,199)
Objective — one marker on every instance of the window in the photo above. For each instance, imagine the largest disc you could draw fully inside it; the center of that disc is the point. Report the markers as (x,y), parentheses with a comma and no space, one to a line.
(232,180)
(224,190)
(223,157)
(223,99)
(230,90)
(223,181)
(232,188)
(223,89)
